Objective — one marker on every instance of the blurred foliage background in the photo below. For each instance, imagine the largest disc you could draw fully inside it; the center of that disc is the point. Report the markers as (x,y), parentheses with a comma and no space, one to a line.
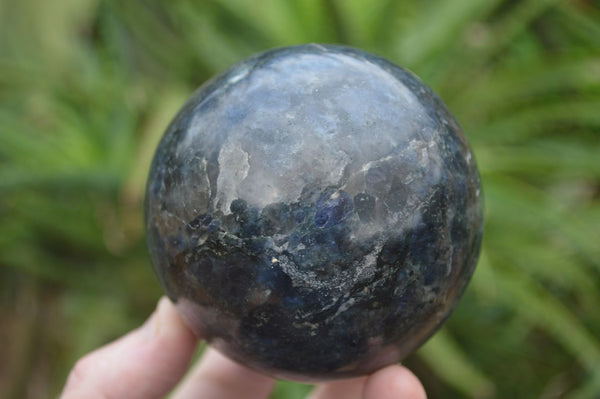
(88,86)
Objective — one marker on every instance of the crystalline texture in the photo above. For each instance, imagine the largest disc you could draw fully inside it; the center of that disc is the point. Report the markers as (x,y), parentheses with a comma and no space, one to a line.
(314,212)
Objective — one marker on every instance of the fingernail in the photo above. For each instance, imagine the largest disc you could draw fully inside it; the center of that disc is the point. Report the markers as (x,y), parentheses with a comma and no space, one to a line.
(152,325)
(162,315)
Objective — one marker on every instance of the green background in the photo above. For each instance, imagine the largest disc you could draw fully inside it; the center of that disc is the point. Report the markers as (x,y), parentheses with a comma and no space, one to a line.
(88,86)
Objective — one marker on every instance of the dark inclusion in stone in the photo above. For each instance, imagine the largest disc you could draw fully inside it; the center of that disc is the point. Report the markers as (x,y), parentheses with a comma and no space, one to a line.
(315,212)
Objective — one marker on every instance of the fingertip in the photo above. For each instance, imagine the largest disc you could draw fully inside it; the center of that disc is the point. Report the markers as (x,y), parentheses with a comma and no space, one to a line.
(217,376)
(168,322)
(394,382)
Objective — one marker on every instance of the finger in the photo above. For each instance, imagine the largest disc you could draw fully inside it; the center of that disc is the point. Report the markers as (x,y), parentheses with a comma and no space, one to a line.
(146,363)
(347,389)
(218,377)
(394,382)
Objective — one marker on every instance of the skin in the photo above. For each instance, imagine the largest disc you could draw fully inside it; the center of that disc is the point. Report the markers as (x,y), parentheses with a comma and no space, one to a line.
(152,360)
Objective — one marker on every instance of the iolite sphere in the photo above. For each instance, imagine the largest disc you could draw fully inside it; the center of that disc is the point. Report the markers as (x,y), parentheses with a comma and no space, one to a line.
(315,212)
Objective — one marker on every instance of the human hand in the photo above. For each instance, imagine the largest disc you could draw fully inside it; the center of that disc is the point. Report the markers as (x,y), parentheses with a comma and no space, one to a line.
(149,361)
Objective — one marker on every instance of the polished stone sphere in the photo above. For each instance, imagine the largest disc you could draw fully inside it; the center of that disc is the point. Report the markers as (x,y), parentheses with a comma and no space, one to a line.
(314,212)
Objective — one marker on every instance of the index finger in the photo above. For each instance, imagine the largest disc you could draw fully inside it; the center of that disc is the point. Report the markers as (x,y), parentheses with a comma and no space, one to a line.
(146,363)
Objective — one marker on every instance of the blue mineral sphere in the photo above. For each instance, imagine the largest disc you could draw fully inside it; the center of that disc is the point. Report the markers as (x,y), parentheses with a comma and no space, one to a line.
(315,212)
